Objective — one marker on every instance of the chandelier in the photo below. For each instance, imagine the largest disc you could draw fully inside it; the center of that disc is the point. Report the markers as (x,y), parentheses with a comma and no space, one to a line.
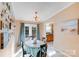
(37,18)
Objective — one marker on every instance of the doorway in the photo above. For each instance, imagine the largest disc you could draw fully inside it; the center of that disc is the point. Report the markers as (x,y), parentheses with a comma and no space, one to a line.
(49,32)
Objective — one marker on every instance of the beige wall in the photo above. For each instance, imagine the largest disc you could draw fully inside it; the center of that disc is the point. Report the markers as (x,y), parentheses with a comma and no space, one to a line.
(17,32)
(65,41)
(42,30)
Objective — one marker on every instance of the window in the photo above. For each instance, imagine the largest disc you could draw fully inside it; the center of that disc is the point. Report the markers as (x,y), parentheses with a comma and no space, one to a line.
(26,31)
(30,30)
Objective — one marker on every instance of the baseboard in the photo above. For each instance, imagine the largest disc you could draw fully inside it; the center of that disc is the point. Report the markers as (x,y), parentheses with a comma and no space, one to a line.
(64,53)
(17,52)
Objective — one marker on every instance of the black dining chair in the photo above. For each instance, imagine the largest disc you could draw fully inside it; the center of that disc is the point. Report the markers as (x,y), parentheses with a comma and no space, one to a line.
(43,51)
(24,52)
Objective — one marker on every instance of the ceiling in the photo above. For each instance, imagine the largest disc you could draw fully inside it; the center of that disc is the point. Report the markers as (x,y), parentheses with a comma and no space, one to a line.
(25,10)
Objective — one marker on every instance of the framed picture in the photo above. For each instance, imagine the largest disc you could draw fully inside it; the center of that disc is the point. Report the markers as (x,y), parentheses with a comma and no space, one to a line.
(70,26)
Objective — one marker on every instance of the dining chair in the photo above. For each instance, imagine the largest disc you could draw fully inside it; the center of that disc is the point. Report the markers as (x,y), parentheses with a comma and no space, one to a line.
(43,51)
(24,51)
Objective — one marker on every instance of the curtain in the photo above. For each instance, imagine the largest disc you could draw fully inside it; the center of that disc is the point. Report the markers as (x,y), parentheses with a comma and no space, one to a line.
(21,33)
(38,32)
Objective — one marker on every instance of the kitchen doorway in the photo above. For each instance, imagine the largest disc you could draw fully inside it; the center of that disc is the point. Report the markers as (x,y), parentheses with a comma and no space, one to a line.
(49,32)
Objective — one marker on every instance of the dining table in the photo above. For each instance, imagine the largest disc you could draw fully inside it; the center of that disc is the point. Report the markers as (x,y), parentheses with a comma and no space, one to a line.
(33,48)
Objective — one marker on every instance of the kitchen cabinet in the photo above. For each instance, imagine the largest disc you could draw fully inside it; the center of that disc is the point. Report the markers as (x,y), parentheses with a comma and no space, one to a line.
(49,37)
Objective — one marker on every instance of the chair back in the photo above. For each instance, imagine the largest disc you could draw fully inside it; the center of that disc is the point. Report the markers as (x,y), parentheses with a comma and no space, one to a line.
(22,45)
(43,50)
